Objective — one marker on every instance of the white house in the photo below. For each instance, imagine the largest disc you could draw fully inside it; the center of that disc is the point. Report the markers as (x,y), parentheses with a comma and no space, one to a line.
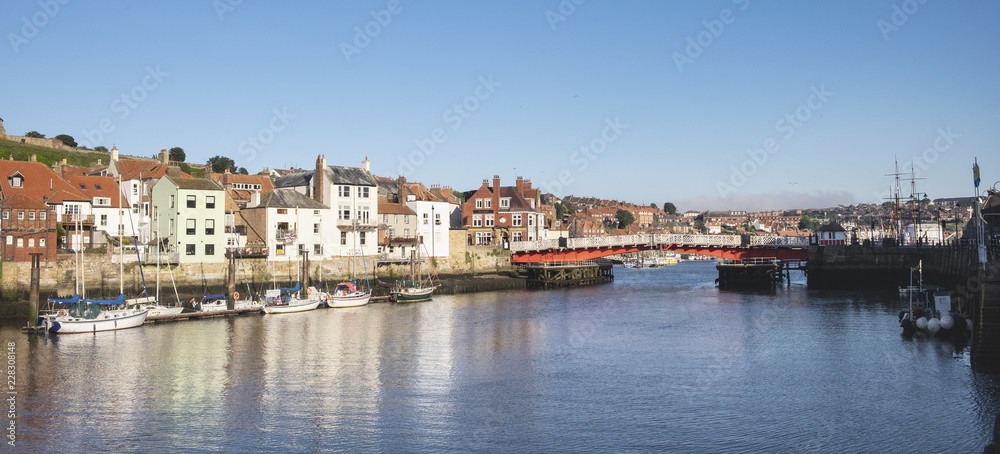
(925,232)
(353,195)
(291,225)
(188,213)
(831,234)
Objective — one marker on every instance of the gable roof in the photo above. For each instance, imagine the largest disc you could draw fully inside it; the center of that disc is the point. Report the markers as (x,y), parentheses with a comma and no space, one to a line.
(394,208)
(294,179)
(832,226)
(199,184)
(23,201)
(97,187)
(131,169)
(288,198)
(38,182)
(349,175)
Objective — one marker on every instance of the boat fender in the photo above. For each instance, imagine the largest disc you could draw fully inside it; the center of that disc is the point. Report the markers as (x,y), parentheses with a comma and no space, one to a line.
(236,295)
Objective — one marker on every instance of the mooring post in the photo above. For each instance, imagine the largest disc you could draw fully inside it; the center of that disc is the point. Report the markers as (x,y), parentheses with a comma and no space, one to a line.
(305,269)
(231,282)
(36,262)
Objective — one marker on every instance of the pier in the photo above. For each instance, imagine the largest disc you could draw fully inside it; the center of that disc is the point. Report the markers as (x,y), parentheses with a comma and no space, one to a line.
(555,275)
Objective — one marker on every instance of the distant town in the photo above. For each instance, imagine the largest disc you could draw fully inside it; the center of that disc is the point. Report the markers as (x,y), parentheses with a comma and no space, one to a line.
(193,213)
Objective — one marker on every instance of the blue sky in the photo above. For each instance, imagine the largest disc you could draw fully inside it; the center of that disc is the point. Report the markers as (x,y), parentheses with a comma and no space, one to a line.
(605,99)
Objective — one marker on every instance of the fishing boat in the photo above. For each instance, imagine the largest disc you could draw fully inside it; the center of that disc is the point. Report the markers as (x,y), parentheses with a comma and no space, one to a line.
(414,289)
(347,295)
(284,300)
(92,315)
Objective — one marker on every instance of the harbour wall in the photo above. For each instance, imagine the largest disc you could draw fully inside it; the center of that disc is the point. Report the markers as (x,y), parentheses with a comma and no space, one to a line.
(886,268)
(467,269)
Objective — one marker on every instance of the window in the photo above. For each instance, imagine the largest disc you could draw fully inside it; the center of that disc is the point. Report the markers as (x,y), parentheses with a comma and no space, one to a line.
(209,226)
(317,249)
(479,203)
(210,201)
(484,238)
(20,215)
(41,242)
(363,192)
(83,186)
(31,242)
(189,249)
(302,249)
(10,239)
(121,229)
(515,220)
(477,220)
(209,249)
(97,186)
(437,218)
(489,220)
(31,215)
(406,233)
(191,201)
(43,215)
(426,219)
(517,236)
(135,208)
(279,249)
(406,219)
(531,220)
(385,218)
(489,203)
(344,213)
(6,214)
(316,228)
(104,220)
(135,189)
(171,201)
(102,201)
(282,210)
(343,238)
(505,202)
(363,215)
(190,226)
(344,191)
(361,238)
(20,242)
(15,181)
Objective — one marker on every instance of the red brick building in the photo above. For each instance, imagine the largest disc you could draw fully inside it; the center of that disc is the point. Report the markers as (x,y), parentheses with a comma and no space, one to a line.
(494,214)
(28,226)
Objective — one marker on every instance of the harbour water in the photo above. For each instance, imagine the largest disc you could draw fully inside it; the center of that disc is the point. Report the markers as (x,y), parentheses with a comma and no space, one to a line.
(659,360)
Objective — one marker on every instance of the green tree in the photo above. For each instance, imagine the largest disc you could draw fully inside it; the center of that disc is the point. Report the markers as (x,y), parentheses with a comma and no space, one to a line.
(625,218)
(34,134)
(652,205)
(570,209)
(220,164)
(177,154)
(242,171)
(669,208)
(101,148)
(67,140)
(700,227)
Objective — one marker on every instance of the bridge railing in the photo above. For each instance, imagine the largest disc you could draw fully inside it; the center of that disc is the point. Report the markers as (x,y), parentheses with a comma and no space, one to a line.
(774,240)
(627,240)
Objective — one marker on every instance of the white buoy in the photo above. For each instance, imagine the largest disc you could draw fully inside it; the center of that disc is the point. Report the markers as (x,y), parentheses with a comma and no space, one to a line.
(947,322)
(922,323)
(933,326)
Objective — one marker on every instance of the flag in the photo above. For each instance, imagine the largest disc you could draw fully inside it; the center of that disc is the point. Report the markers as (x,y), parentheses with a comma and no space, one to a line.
(975,173)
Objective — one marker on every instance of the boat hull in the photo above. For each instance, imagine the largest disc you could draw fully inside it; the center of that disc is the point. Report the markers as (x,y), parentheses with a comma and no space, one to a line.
(220,305)
(413,295)
(107,321)
(351,300)
(163,311)
(294,306)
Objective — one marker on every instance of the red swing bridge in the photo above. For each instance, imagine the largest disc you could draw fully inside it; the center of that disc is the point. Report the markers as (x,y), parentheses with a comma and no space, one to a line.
(731,247)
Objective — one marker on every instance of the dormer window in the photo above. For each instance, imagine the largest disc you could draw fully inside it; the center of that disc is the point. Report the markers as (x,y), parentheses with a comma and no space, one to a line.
(16,181)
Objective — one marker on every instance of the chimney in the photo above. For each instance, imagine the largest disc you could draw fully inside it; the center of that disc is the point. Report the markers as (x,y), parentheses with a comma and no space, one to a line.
(33,159)
(114,154)
(164,157)
(173,171)
(486,183)
(496,192)
(401,190)
(366,165)
(254,199)
(519,184)
(319,179)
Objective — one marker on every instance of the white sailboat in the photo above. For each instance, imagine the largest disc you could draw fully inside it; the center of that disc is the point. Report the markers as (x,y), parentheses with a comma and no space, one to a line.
(347,294)
(284,300)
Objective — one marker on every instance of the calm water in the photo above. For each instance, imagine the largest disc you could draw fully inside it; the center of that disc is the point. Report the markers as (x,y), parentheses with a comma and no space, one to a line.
(660,360)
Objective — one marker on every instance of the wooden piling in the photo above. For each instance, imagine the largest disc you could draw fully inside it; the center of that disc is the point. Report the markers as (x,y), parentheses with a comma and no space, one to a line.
(231,282)
(36,263)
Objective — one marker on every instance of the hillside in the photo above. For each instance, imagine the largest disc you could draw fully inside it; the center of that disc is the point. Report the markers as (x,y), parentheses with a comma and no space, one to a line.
(49,156)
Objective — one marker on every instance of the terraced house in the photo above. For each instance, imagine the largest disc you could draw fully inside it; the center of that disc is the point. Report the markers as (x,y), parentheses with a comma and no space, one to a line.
(188,214)
(500,214)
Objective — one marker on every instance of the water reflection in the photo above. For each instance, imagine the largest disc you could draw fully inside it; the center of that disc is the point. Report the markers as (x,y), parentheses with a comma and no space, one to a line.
(660,360)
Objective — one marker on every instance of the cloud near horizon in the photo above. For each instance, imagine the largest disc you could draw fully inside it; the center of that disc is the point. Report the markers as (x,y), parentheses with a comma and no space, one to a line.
(766,202)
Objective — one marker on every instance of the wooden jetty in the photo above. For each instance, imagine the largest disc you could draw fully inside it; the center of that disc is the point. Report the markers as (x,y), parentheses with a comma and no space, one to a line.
(576,274)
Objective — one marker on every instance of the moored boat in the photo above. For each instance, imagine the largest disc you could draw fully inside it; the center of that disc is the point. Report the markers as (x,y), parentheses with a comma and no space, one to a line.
(347,295)
(284,300)
(90,316)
